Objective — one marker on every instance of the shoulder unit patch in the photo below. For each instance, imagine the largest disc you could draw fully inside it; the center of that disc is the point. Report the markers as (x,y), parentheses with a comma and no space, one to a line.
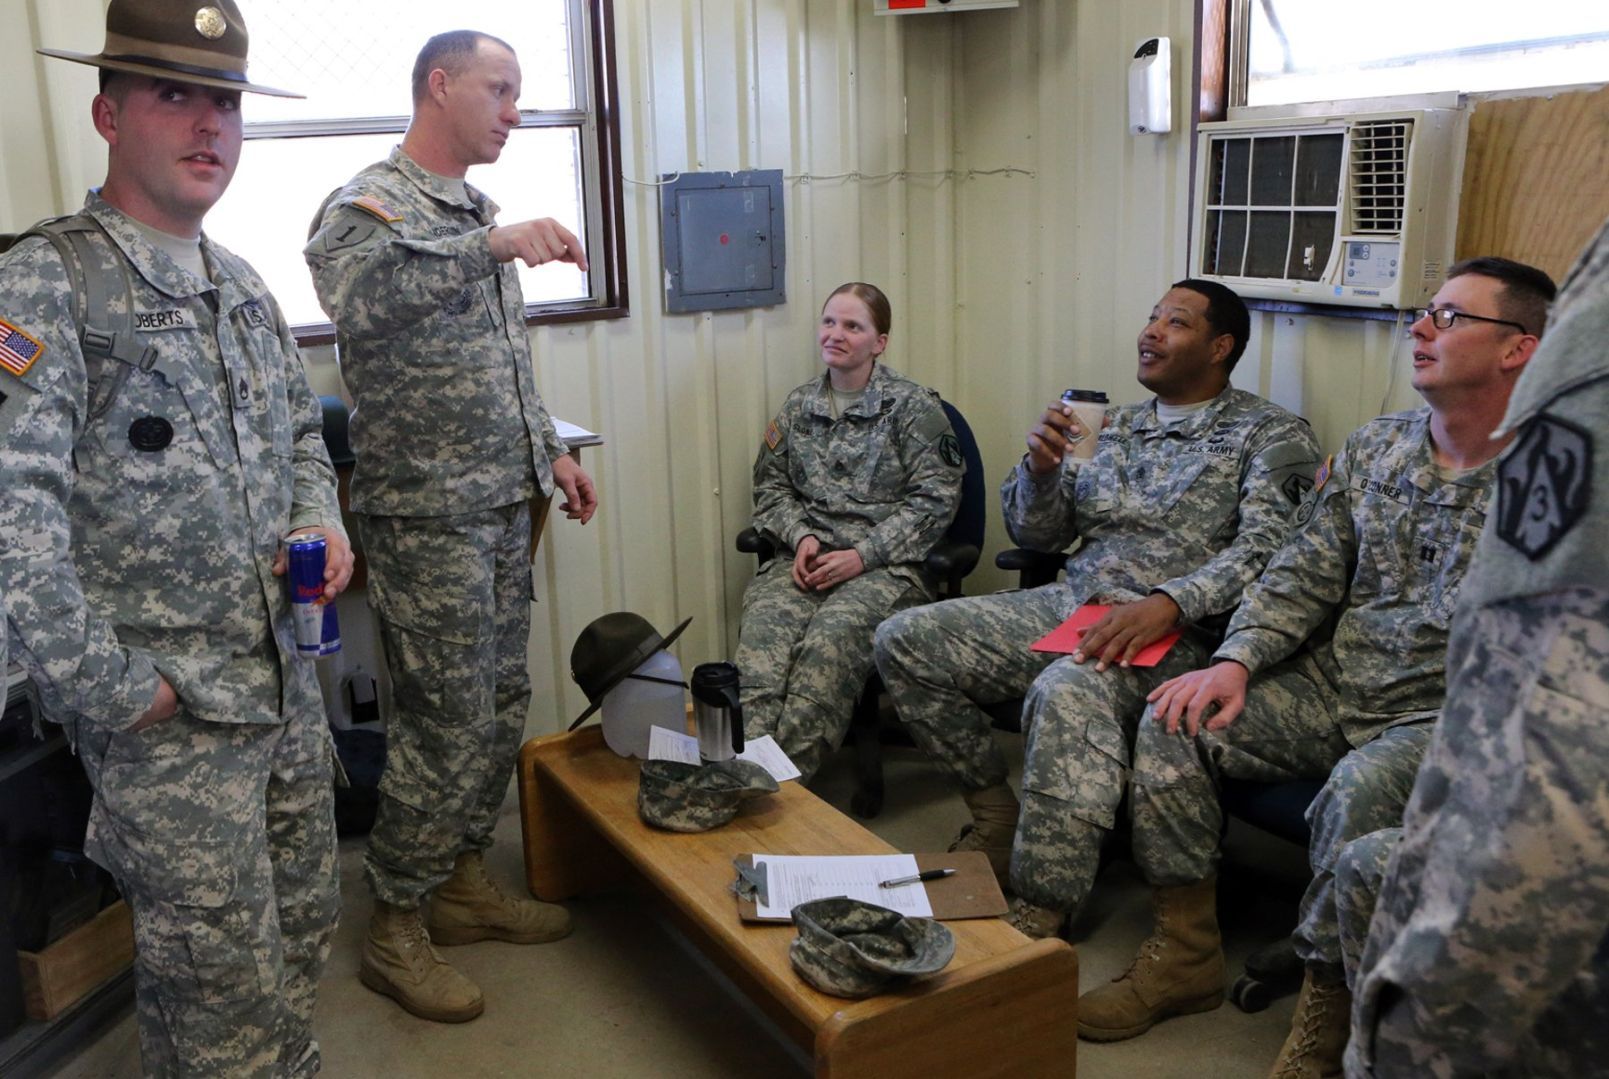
(1543,485)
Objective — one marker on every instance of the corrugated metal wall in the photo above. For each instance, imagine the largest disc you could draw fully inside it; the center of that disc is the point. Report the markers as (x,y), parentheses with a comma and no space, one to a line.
(1006,288)
(813,88)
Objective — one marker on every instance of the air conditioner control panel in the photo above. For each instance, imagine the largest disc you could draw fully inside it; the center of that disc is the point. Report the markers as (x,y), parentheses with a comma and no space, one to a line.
(1371,264)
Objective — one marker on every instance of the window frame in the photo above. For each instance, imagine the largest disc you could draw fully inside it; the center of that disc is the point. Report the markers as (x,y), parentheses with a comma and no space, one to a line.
(1218,79)
(596,116)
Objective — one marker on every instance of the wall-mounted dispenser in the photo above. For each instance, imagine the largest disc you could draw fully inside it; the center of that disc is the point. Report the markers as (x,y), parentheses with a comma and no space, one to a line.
(1151,88)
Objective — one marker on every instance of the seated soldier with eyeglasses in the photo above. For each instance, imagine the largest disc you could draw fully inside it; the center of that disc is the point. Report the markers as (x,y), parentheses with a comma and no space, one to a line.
(1334,659)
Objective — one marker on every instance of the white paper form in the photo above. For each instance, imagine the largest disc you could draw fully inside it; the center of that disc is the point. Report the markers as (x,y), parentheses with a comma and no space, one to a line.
(794,879)
(669,745)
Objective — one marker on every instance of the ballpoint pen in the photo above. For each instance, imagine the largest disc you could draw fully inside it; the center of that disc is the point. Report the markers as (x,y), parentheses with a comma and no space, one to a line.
(924,875)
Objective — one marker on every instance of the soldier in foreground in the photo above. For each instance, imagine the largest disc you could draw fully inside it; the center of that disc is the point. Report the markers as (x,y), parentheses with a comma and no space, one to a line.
(156,445)
(1489,949)
(452,441)
(1186,497)
(1334,659)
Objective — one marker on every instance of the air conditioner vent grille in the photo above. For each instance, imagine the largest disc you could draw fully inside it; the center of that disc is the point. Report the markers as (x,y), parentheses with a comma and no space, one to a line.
(1379,175)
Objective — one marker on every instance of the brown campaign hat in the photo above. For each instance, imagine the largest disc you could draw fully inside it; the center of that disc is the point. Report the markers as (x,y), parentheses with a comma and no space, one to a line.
(202,42)
(610,648)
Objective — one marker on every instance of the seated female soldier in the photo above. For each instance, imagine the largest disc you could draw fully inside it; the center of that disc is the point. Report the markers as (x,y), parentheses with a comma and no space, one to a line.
(857,477)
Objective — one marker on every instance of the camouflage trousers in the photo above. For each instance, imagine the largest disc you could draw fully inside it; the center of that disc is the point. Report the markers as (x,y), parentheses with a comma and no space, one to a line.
(1360,872)
(453,599)
(943,662)
(1367,790)
(221,838)
(1080,727)
(1288,731)
(1488,953)
(805,656)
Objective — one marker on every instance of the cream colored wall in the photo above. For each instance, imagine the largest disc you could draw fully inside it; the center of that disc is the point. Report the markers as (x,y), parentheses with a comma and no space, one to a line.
(1006,288)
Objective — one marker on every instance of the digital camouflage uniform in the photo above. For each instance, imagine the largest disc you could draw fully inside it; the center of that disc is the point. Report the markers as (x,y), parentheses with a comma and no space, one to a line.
(1489,951)
(143,509)
(885,479)
(1380,548)
(1192,510)
(452,440)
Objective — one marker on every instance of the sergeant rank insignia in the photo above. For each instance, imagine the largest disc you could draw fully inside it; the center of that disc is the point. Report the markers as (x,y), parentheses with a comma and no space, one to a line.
(18,350)
(1543,485)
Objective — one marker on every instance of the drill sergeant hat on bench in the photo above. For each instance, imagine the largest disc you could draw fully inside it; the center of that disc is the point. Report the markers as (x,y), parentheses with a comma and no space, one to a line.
(608,650)
(682,797)
(853,949)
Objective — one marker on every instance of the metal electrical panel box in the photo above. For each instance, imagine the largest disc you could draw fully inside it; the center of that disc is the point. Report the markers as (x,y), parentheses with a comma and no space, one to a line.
(723,240)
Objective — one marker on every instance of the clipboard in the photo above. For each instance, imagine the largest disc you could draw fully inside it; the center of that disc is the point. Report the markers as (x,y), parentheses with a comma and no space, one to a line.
(972,892)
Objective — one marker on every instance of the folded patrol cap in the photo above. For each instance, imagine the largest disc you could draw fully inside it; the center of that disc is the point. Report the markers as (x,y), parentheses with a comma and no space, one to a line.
(202,42)
(682,797)
(850,948)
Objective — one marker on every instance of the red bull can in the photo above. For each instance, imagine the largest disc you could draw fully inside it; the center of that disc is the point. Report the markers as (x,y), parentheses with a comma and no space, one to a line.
(317,631)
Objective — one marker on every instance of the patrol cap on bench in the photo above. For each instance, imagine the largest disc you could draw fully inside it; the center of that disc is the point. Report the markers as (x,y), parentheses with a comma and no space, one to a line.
(202,42)
(682,797)
(853,949)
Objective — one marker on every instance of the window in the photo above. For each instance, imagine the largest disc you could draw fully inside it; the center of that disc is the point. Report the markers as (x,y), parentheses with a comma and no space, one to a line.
(1289,51)
(354,62)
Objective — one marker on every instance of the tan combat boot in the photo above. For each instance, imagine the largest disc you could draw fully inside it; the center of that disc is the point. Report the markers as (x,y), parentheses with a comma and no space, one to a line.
(1179,969)
(1040,923)
(993,827)
(1319,1030)
(400,962)
(470,907)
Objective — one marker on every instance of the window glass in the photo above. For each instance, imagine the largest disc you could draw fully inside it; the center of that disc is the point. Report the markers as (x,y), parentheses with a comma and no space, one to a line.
(355,58)
(1299,50)
(354,61)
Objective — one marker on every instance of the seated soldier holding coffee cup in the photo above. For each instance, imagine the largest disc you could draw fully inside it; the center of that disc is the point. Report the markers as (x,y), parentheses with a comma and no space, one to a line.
(1183,500)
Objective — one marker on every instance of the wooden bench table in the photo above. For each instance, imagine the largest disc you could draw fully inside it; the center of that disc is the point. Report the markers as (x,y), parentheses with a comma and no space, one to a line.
(1006,1005)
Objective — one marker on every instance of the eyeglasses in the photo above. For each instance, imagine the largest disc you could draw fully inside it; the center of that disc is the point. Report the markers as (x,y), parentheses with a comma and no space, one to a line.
(1444,317)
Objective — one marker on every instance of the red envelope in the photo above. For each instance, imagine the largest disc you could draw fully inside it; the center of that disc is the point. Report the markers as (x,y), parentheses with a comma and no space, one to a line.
(1065,637)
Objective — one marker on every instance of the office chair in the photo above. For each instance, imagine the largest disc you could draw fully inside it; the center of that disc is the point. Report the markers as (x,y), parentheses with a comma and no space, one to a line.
(1272,971)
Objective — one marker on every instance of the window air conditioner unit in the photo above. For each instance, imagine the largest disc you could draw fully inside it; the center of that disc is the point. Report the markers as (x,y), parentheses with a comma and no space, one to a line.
(928,7)
(1356,210)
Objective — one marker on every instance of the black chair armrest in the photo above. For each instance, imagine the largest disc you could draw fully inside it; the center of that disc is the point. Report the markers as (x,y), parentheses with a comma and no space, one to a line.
(950,559)
(1033,568)
(750,541)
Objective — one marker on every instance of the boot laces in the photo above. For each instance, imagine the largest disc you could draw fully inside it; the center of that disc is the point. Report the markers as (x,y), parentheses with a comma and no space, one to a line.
(1149,954)
(1318,1005)
(488,888)
(411,937)
(1150,950)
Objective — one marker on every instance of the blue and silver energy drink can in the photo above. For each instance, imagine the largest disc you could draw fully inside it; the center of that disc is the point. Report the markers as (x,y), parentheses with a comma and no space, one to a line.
(317,632)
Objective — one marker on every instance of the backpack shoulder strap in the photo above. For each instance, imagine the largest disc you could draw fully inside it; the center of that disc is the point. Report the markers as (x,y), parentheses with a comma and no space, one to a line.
(105,327)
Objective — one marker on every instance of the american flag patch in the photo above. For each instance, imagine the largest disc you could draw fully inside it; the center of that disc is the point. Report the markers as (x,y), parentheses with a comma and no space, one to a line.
(773,436)
(376,207)
(18,351)
(1322,476)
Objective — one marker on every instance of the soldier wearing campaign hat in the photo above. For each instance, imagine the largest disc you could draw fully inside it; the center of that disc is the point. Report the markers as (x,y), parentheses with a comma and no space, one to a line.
(158,439)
